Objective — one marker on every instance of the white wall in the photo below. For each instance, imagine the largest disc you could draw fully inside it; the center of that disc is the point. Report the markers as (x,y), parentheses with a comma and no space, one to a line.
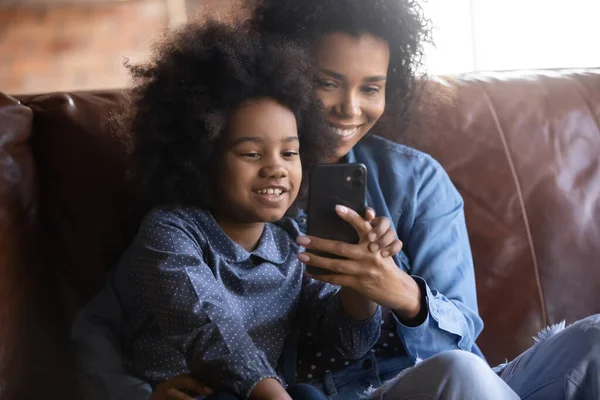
(491,35)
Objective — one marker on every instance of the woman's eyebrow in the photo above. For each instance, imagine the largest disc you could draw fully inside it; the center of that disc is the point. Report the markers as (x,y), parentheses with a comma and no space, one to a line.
(375,79)
(368,79)
(334,75)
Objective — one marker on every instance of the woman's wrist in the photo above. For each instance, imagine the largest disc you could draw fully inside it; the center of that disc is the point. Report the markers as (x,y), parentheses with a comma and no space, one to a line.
(409,304)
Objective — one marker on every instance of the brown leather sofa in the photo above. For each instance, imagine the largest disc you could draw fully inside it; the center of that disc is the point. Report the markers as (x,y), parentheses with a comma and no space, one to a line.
(523,148)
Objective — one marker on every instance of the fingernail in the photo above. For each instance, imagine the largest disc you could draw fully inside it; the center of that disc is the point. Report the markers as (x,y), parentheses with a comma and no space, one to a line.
(374,247)
(303,257)
(385,254)
(372,237)
(342,209)
(303,240)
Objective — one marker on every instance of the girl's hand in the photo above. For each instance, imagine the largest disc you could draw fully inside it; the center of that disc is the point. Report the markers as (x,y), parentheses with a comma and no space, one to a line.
(177,388)
(370,274)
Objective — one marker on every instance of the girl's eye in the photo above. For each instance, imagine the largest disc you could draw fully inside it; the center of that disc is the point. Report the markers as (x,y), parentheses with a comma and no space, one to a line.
(251,155)
(290,154)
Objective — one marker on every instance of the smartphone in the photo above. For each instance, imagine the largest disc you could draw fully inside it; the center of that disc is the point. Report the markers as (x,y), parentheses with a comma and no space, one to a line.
(328,186)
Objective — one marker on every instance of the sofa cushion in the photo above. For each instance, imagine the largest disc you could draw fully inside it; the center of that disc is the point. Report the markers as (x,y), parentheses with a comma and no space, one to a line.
(89,211)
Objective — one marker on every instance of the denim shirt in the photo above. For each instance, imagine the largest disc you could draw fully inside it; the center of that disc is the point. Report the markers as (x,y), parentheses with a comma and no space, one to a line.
(206,305)
(416,194)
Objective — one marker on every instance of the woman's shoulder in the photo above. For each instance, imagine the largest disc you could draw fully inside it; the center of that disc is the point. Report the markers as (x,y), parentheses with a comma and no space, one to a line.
(384,154)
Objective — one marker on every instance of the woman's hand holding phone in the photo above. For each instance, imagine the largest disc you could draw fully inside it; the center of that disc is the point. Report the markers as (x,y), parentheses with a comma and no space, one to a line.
(367,267)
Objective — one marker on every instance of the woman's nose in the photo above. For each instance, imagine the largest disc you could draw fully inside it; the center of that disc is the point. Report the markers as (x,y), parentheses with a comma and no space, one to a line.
(349,106)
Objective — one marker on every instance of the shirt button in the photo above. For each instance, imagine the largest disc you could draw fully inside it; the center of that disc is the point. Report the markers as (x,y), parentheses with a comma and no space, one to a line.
(302,220)
(367,364)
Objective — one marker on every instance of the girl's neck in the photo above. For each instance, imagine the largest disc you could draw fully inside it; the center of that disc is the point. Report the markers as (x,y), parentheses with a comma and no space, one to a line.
(246,235)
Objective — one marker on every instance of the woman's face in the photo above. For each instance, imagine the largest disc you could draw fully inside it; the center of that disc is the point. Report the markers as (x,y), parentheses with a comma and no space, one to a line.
(352,76)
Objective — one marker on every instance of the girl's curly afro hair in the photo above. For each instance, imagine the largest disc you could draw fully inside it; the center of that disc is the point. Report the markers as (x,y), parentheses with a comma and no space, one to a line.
(182,98)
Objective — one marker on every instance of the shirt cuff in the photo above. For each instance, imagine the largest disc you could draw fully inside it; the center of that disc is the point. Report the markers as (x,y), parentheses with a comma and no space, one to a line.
(426,297)
(245,371)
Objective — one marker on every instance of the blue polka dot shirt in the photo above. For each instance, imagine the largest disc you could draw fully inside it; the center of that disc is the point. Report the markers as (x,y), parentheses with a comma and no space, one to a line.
(206,305)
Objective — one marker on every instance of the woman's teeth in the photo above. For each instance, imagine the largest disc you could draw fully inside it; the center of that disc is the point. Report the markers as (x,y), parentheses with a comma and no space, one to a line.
(273,191)
(345,132)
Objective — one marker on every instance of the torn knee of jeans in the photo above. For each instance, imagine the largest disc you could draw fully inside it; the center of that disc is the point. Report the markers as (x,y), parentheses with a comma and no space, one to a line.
(590,322)
(549,331)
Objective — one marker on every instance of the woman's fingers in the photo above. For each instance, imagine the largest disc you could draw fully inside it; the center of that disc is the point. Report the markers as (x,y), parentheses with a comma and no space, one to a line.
(384,241)
(360,225)
(369,214)
(334,279)
(335,266)
(380,226)
(392,249)
(340,249)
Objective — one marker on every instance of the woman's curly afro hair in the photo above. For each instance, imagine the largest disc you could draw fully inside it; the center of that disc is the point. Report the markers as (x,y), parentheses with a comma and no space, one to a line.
(182,98)
(399,22)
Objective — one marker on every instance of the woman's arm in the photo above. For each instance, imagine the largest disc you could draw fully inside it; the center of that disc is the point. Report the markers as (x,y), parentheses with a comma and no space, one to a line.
(437,244)
(441,270)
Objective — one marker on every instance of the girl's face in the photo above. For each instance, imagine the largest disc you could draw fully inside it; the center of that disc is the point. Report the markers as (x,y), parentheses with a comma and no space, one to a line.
(352,76)
(260,170)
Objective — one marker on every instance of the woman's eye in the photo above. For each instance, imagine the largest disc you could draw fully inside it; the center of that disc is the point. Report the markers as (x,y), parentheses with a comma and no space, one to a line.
(327,85)
(290,154)
(371,90)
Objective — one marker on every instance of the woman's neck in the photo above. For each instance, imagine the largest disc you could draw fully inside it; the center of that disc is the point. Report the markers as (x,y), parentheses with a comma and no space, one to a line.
(246,235)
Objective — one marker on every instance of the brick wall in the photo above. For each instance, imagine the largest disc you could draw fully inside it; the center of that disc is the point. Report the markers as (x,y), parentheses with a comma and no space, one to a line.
(80,47)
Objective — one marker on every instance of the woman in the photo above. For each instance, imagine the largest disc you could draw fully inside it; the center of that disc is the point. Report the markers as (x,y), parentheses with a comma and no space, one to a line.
(367,53)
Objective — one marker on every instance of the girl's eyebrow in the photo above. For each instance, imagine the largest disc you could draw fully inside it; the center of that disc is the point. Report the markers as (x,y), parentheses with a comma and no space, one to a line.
(243,139)
(256,139)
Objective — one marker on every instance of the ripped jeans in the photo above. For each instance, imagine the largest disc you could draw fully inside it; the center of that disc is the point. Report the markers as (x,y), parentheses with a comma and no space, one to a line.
(564,363)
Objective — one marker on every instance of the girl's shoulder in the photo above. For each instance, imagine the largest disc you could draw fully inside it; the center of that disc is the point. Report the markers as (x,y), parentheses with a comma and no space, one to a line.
(181,222)
(289,227)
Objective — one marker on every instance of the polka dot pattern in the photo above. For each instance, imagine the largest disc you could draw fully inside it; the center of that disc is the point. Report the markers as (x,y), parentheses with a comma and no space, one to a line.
(324,358)
(205,304)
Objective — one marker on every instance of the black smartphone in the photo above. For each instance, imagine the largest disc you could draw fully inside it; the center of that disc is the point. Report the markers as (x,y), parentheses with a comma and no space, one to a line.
(328,186)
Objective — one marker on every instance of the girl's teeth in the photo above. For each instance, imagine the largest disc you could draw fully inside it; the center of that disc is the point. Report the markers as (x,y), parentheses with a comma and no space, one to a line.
(270,191)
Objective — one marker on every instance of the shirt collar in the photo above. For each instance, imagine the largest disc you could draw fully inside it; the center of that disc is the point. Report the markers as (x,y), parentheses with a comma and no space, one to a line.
(273,246)
(350,157)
